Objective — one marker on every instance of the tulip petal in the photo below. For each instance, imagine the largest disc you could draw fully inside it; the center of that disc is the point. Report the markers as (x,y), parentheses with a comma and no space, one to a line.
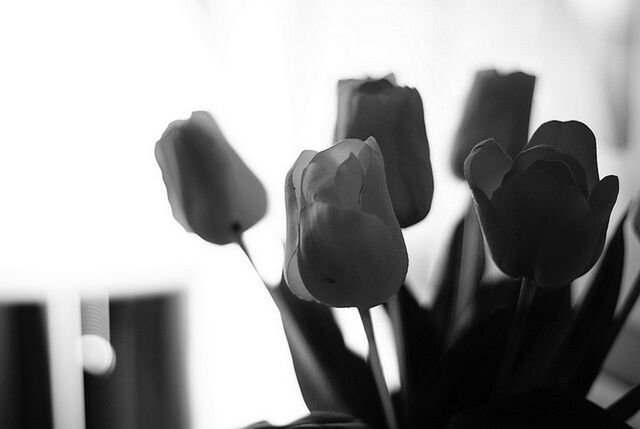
(486,166)
(346,102)
(348,258)
(498,107)
(604,196)
(211,190)
(293,205)
(557,169)
(529,205)
(572,247)
(602,199)
(535,154)
(365,154)
(319,176)
(347,187)
(375,198)
(168,162)
(297,171)
(500,240)
(204,171)
(395,118)
(346,89)
(375,86)
(572,138)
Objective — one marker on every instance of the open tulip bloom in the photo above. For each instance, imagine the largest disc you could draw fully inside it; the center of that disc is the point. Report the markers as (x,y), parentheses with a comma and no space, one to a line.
(544,213)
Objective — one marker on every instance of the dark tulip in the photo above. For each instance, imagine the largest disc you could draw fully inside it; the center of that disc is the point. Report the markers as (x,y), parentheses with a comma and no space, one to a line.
(498,107)
(318,420)
(394,116)
(544,213)
(211,190)
(344,245)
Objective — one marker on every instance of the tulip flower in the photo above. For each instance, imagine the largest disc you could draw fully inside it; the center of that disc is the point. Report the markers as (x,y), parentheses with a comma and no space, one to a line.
(211,191)
(498,107)
(344,245)
(544,213)
(394,116)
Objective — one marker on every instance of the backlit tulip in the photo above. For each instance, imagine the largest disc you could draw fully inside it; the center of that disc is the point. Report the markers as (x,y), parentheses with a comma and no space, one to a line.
(545,212)
(344,244)
(498,107)
(211,191)
(394,116)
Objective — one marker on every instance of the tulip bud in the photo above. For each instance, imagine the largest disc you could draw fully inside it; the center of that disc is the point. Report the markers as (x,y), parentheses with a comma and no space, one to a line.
(498,107)
(211,191)
(544,213)
(394,116)
(344,245)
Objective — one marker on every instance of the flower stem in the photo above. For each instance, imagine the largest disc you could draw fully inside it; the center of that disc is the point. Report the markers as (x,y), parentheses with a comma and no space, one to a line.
(240,242)
(376,368)
(527,292)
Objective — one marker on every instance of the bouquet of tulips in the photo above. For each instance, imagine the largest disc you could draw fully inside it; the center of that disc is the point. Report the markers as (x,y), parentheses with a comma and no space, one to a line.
(508,353)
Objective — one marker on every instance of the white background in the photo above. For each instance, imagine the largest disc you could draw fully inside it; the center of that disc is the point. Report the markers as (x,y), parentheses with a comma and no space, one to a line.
(87,88)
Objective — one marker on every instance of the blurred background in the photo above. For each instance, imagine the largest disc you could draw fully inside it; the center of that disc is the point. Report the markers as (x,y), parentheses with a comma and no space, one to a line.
(87,88)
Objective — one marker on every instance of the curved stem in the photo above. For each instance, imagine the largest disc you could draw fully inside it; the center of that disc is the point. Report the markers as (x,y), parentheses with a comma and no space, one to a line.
(240,242)
(376,368)
(527,291)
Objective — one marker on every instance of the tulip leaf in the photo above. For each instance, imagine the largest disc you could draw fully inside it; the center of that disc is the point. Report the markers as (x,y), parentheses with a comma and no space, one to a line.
(417,341)
(541,408)
(554,315)
(330,376)
(460,276)
(592,332)
(465,375)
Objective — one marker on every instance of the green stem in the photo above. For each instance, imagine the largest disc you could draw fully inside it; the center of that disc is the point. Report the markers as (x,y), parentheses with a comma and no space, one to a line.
(240,242)
(376,368)
(527,292)
(395,313)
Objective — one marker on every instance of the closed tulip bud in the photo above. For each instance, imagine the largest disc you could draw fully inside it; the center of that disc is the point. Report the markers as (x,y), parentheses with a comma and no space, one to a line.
(394,116)
(544,213)
(211,191)
(344,245)
(498,107)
